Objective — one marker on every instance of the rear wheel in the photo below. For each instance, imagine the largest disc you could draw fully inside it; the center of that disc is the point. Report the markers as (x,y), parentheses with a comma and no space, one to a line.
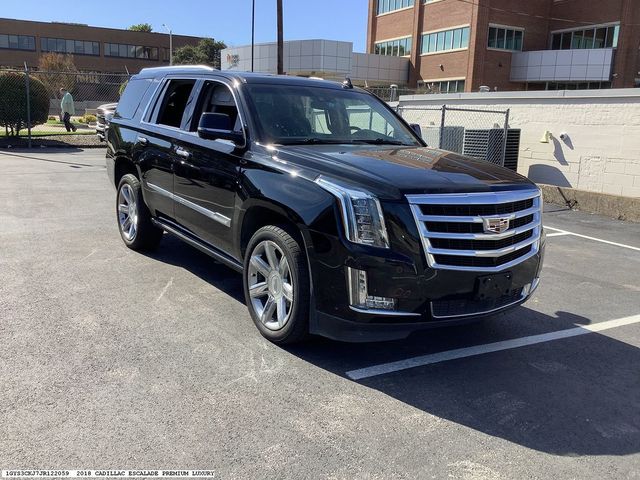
(276,284)
(134,219)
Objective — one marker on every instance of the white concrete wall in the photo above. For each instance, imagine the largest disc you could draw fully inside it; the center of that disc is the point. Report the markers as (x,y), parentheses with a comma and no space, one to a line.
(589,65)
(324,58)
(379,69)
(602,149)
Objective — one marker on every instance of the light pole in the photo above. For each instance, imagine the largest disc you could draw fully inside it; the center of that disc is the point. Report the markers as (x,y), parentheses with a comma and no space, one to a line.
(280,38)
(170,44)
(253,30)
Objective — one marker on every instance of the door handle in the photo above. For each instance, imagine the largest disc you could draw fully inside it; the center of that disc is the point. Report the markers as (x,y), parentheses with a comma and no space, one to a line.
(142,140)
(181,152)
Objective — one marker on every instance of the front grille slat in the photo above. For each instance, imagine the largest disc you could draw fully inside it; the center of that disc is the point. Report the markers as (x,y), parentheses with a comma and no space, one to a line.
(457,244)
(476,210)
(454,236)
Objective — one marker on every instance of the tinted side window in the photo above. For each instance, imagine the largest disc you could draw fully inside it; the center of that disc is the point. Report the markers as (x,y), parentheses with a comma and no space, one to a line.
(216,98)
(130,99)
(174,102)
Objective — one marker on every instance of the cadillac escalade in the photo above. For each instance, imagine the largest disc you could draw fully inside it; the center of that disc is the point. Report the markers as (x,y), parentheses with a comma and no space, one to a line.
(340,219)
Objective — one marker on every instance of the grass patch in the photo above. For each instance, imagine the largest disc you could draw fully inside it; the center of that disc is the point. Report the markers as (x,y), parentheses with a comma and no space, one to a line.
(23,134)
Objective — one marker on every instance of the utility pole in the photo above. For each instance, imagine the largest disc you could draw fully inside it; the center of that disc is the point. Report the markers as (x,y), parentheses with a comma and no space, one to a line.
(280,40)
(253,30)
(170,44)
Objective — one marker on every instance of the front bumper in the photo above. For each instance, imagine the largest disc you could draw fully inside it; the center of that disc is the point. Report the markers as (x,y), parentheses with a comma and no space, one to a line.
(425,297)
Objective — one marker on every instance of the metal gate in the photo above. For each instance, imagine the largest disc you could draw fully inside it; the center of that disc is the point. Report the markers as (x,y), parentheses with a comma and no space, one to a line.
(482,134)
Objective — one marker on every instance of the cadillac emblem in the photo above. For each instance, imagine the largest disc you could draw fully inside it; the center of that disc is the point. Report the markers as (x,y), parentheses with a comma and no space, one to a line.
(495,225)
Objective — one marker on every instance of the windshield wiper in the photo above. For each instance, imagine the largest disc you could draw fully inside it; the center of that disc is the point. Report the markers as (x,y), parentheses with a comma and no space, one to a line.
(313,141)
(379,141)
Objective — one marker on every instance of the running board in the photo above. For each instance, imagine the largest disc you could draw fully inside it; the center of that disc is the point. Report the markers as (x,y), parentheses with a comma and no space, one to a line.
(208,249)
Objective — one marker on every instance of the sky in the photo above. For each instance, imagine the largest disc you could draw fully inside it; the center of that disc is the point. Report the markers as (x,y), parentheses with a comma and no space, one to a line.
(227,20)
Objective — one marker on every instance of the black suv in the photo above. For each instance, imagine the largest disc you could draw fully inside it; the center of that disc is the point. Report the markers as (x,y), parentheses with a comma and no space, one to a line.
(341,220)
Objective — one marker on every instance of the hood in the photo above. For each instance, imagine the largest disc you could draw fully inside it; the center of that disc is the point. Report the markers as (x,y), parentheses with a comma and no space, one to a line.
(392,172)
(107,107)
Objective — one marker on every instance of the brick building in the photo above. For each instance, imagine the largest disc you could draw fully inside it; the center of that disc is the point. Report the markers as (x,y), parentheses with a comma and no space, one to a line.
(94,49)
(461,45)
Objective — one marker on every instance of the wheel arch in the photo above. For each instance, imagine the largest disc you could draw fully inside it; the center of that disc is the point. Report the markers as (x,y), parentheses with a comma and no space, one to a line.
(122,166)
(259,213)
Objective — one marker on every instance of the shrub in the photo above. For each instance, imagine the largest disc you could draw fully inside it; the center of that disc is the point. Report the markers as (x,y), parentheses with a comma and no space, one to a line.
(13,102)
(88,119)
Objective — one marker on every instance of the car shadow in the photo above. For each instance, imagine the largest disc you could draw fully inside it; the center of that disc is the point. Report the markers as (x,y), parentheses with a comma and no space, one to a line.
(174,251)
(571,397)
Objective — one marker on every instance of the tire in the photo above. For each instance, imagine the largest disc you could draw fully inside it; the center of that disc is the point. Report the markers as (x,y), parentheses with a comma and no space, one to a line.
(284,290)
(133,216)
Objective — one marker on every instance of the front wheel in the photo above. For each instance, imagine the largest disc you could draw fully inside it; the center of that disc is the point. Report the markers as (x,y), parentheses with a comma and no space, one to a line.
(276,285)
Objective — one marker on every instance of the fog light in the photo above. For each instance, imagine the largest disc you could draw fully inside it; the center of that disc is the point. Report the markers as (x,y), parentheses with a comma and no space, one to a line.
(359,296)
(529,288)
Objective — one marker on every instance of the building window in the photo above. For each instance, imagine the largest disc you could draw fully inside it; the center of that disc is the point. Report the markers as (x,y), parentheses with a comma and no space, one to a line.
(445,86)
(130,51)
(18,42)
(578,86)
(73,47)
(385,6)
(593,37)
(505,38)
(455,39)
(396,48)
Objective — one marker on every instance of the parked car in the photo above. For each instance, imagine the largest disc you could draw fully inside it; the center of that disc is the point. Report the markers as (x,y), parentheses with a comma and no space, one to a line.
(341,220)
(104,114)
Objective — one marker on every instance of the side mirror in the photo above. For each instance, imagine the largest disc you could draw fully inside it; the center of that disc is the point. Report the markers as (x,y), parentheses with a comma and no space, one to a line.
(217,126)
(416,128)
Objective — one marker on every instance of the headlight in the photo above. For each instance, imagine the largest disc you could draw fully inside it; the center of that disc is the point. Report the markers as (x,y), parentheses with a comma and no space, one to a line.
(361,214)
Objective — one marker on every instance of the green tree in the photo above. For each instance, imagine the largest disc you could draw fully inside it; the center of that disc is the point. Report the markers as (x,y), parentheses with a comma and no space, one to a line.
(141,27)
(13,102)
(207,52)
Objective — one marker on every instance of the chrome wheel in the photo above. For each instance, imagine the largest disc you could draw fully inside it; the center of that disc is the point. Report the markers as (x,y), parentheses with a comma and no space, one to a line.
(270,285)
(127,212)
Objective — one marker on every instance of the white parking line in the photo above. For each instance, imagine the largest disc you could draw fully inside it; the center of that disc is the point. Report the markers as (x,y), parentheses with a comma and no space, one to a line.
(564,232)
(439,357)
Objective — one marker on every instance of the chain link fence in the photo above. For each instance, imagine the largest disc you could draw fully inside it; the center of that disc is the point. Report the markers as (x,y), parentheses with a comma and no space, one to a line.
(482,134)
(30,104)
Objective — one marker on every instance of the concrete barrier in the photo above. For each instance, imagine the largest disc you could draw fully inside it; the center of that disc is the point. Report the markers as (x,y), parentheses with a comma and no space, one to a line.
(614,206)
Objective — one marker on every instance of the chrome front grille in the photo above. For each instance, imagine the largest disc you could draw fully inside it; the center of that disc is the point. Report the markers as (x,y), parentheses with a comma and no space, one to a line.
(455,236)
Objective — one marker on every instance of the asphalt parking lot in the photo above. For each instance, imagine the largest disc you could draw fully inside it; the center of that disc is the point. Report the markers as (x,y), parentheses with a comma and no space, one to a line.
(114,359)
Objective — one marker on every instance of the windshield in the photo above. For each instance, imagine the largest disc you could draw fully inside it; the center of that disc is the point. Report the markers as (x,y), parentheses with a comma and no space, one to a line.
(298,115)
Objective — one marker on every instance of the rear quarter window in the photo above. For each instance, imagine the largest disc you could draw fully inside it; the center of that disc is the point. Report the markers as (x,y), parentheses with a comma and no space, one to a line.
(131,97)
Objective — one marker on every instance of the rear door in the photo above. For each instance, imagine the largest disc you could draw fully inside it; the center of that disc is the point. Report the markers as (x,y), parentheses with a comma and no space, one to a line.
(156,144)
(207,171)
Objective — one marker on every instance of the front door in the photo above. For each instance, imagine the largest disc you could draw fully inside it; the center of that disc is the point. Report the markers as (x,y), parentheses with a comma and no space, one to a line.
(206,172)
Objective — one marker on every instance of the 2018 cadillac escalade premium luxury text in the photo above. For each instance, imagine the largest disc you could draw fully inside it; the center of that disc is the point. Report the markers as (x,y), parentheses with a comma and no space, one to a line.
(341,220)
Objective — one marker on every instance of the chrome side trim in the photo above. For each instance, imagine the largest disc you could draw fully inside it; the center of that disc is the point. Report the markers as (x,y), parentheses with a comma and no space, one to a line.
(218,255)
(218,217)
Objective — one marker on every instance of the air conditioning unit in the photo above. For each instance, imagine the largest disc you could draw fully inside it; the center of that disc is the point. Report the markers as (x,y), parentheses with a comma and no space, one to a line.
(487,144)
(452,138)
